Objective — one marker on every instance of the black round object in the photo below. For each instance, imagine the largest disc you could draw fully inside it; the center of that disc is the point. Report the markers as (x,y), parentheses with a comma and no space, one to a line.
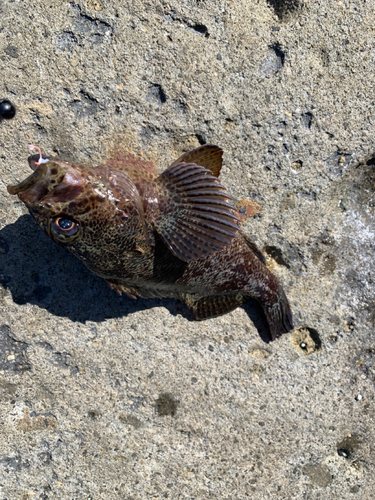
(7,109)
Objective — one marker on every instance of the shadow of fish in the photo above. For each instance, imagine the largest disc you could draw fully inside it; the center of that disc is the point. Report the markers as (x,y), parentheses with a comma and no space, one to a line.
(171,235)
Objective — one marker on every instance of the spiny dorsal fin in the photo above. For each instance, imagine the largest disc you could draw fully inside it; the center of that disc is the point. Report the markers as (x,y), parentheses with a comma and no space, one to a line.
(194,218)
(207,156)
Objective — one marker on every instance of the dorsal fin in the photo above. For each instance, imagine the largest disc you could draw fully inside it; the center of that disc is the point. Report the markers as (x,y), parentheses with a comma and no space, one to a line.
(194,218)
(207,156)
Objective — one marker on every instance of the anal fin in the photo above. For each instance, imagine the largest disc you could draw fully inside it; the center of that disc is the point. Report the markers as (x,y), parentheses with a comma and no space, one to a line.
(120,289)
(213,306)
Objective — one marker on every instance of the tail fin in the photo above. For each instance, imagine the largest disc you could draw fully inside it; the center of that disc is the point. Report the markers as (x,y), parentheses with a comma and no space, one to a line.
(279,315)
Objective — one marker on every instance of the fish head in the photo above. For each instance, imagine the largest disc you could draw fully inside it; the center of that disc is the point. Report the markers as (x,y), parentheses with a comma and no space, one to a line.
(90,211)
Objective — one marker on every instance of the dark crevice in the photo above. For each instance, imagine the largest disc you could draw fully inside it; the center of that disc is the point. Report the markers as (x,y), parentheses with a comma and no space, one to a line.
(274,60)
(284,8)
(315,336)
(201,139)
(95,21)
(279,53)
(276,254)
(200,28)
(156,93)
(307,119)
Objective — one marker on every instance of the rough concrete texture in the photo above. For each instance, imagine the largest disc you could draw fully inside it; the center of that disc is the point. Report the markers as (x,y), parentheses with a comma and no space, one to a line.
(104,397)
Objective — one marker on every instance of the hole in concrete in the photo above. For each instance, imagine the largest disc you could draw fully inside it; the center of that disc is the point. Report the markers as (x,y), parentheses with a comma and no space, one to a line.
(273,61)
(307,119)
(13,356)
(201,139)
(306,340)
(166,405)
(343,452)
(156,94)
(279,53)
(94,414)
(11,51)
(348,445)
(284,8)
(84,105)
(297,165)
(275,254)
(201,29)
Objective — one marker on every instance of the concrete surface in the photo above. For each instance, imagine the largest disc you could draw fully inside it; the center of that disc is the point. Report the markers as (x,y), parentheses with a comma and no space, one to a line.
(107,398)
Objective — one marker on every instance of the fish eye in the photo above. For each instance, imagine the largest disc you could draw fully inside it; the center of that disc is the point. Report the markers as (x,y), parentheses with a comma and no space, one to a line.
(63,226)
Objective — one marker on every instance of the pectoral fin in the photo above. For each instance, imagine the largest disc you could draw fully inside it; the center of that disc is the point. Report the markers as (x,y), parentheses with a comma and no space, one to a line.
(194,218)
(207,156)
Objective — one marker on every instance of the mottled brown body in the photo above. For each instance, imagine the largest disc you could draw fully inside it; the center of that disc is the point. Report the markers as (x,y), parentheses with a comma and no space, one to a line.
(173,235)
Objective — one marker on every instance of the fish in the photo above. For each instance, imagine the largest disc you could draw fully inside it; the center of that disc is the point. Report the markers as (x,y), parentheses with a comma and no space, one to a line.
(169,235)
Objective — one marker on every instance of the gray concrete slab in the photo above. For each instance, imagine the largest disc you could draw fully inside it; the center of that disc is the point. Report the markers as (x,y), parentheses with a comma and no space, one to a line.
(103,397)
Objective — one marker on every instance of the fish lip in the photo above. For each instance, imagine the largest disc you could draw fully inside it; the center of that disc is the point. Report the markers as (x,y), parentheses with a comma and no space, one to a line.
(38,174)
(39,170)
(38,184)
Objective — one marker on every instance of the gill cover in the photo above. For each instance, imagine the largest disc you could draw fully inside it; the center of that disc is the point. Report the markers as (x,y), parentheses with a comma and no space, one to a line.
(127,198)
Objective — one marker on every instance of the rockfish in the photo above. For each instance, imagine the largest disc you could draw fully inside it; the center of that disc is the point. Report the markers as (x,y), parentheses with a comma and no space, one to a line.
(170,235)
